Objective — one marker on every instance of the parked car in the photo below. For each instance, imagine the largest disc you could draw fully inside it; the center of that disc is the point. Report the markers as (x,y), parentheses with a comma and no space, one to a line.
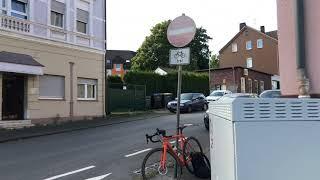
(270,94)
(235,95)
(217,94)
(189,102)
(206,120)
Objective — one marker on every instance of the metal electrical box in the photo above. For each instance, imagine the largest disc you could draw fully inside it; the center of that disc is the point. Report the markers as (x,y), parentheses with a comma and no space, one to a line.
(265,139)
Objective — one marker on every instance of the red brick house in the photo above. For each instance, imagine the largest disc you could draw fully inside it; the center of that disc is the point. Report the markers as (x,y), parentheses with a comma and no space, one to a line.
(240,80)
(118,62)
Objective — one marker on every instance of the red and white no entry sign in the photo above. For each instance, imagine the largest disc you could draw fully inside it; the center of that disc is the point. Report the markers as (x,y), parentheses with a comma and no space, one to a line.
(181,31)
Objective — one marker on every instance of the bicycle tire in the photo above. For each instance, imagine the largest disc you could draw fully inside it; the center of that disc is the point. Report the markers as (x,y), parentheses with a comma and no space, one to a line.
(186,152)
(151,174)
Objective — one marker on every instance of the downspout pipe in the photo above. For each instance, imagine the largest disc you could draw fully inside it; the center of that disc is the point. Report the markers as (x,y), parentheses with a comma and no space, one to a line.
(302,76)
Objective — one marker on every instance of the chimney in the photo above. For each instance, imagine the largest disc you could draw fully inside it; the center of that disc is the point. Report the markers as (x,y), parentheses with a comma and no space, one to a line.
(242,25)
(262,29)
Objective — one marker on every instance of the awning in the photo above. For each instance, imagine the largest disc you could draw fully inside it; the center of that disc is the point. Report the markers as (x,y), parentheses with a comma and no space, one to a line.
(19,63)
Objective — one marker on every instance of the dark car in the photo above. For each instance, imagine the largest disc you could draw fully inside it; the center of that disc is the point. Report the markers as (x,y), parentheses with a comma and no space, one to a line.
(189,102)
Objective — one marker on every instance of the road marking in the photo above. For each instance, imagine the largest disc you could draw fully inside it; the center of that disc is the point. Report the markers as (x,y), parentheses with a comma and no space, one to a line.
(139,152)
(69,173)
(188,125)
(99,177)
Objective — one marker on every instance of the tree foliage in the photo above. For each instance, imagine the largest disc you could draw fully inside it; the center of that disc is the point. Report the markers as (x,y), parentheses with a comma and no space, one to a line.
(214,62)
(154,51)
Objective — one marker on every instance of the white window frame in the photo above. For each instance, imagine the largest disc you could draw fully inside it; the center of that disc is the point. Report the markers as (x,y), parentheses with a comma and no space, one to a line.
(243,84)
(249,45)
(249,62)
(234,47)
(87,29)
(260,43)
(86,91)
(262,87)
(250,85)
(256,84)
(18,12)
(62,20)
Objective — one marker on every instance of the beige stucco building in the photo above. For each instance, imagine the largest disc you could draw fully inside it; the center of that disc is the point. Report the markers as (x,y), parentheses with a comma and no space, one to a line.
(51,71)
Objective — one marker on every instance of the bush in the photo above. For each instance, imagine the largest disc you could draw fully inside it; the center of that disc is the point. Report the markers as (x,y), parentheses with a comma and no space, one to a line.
(155,83)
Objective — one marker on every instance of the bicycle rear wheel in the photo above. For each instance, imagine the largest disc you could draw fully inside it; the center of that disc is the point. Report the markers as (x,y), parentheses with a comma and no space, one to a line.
(191,145)
(151,166)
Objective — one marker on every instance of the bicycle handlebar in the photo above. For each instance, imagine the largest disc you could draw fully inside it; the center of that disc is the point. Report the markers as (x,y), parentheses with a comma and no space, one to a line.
(158,133)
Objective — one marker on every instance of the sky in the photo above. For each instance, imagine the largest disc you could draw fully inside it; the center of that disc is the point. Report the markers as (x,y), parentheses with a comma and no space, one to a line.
(130,21)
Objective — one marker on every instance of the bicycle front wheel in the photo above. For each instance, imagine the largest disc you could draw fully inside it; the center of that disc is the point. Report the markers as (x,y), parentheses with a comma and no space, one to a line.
(191,145)
(151,168)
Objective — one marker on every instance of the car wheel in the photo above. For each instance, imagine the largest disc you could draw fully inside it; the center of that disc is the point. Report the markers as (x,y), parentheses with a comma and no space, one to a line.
(172,111)
(189,109)
(205,107)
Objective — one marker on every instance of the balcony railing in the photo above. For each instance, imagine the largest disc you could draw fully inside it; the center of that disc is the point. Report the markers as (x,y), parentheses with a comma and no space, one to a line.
(22,26)
(14,24)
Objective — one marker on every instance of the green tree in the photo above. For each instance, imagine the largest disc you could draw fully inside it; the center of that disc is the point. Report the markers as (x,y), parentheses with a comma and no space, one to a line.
(154,51)
(214,62)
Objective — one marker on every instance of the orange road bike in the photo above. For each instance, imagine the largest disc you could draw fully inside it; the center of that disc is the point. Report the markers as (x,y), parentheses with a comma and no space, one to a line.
(162,161)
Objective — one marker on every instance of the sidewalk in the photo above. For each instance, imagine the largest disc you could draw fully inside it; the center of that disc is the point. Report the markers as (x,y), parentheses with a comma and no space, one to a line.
(37,131)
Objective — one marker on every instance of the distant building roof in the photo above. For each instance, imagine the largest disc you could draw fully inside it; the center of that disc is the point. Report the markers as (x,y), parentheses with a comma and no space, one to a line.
(119,56)
(236,67)
(272,35)
(15,58)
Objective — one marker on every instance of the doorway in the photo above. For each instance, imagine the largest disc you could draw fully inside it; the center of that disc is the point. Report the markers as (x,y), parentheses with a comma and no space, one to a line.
(13,96)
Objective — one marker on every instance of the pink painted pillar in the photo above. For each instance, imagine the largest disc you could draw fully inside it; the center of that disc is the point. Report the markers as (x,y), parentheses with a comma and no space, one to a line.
(287,46)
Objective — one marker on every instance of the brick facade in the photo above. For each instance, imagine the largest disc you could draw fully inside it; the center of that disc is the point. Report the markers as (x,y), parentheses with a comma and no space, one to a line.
(230,79)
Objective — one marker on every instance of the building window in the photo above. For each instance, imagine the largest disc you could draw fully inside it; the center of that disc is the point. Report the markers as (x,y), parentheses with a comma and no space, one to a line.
(249,63)
(118,67)
(82,21)
(256,85)
(243,85)
(249,45)
(261,86)
(19,9)
(82,27)
(234,47)
(250,85)
(87,89)
(56,19)
(52,87)
(260,43)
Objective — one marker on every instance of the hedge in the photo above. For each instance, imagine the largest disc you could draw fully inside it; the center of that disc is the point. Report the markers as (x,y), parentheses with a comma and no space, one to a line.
(155,83)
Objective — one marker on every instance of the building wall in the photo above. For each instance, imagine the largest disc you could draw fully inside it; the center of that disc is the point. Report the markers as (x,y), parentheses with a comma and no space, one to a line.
(232,79)
(115,72)
(287,46)
(56,59)
(264,60)
(39,18)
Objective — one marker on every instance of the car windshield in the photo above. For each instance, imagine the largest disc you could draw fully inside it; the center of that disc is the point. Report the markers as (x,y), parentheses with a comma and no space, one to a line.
(217,94)
(186,96)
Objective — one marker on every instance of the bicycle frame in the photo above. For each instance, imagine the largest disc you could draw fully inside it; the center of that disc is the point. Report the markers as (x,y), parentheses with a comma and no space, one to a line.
(166,145)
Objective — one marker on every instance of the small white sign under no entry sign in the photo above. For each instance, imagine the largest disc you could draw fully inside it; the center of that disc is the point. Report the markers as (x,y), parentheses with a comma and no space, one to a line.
(180,56)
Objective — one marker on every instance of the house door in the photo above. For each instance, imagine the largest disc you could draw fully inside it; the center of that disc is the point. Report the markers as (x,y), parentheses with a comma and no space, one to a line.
(13,96)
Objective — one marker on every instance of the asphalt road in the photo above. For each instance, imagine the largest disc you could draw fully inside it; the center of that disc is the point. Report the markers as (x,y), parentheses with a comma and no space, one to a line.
(111,152)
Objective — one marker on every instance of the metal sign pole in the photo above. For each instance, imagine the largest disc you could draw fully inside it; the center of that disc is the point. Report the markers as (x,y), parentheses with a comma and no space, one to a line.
(178,113)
